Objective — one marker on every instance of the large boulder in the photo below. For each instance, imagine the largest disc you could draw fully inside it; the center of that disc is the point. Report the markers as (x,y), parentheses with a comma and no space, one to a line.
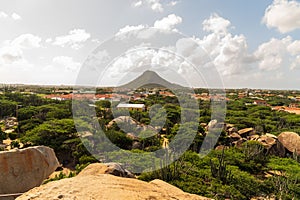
(291,141)
(22,170)
(89,185)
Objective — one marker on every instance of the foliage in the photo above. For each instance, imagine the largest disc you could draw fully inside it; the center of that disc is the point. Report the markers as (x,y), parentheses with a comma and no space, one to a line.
(220,170)
(60,176)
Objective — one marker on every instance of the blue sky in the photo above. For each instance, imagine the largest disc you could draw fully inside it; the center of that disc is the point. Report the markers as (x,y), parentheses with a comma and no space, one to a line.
(46,42)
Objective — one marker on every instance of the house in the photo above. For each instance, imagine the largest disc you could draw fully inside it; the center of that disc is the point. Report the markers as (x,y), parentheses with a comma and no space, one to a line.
(294,105)
(131,107)
(260,102)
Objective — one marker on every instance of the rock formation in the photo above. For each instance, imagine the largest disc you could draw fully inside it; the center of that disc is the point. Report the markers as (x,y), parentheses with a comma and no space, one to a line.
(286,142)
(91,184)
(22,170)
(115,169)
(291,141)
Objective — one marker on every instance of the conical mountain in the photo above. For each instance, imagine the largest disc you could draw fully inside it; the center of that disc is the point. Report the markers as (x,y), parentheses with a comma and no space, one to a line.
(150,79)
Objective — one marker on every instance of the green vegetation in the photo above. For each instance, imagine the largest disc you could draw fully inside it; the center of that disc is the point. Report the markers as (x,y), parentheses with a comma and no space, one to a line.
(232,173)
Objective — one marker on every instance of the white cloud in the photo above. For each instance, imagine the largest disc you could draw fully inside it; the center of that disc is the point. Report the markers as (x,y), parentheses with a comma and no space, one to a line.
(27,41)
(216,24)
(129,28)
(272,54)
(283,15)
(155,5)
(74,39)
(3,15)
(294,48)
(228,52)
(137,4)
(296,63)
(48,40)
(15,16)
(168,23)
(10,54)
(12,51)
(67,63)
(173,3)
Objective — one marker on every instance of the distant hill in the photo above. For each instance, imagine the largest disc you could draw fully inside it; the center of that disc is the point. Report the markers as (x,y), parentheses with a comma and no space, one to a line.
(150,79)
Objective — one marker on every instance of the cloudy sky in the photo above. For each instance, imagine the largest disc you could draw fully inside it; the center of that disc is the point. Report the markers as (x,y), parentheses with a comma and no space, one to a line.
(254,44)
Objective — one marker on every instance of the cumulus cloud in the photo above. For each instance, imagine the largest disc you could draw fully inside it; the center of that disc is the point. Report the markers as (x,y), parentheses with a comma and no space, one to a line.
(27,41)
(168,23)
(296,63)
(283,15)
(155,5)
(173,3)
(12,51)
(74,39)
(15,16)
(3,15)
(66,62)
(228,52)
(130,28)
(294,48)
(9,55)
(216,24)
(272,54)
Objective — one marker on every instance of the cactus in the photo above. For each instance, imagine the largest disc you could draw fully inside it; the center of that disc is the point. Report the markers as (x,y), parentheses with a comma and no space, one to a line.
(220,170)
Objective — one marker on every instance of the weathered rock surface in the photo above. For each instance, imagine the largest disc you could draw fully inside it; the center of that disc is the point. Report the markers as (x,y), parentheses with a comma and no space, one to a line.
(267,141)
(132,126)
(246,132)
(91,185)
(22,170)
(115,169)
(291,141)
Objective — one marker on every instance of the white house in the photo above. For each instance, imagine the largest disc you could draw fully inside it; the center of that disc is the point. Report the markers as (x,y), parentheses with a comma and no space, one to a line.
(138,107)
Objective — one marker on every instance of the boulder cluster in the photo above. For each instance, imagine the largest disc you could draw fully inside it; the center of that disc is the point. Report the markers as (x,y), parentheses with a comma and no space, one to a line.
(285,144)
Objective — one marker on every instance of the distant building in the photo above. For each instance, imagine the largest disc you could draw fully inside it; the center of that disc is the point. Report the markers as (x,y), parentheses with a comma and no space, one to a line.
(294,105)
(260,103)
(242,95)
(137,107)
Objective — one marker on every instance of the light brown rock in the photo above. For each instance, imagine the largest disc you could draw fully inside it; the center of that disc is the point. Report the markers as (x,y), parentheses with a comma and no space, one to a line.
(246,132)
(267,141)
(21,170)
(107,187)
(291,141)
(115,169)
(235,136)
(232,130)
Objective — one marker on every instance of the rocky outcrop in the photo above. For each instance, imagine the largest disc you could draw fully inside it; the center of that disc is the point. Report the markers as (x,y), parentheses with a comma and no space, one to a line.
(22,170)
(290,141)
(131,124)
(133,129)
(89,184)
(115,169)
(279,146)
